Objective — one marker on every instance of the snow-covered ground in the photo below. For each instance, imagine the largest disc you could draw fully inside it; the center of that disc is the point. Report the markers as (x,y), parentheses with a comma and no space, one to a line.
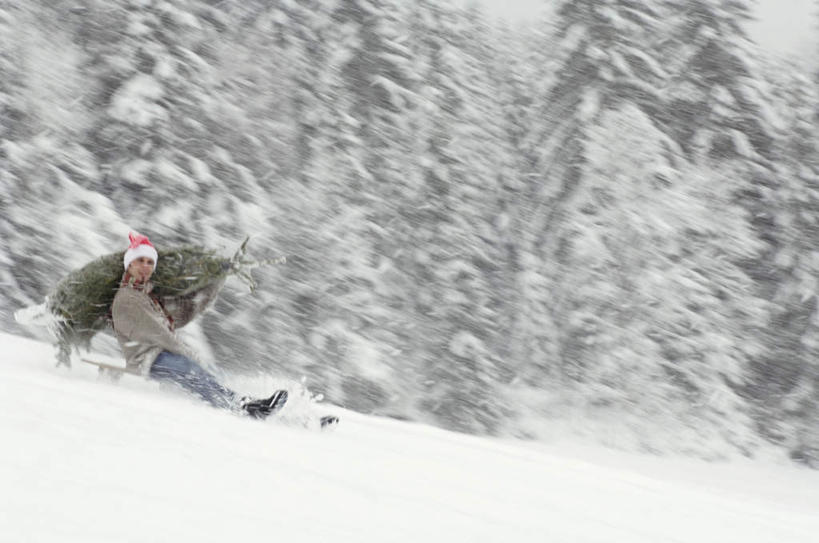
(84,459)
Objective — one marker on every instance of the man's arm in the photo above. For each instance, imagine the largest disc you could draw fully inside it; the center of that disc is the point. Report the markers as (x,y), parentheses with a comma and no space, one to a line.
(184,309)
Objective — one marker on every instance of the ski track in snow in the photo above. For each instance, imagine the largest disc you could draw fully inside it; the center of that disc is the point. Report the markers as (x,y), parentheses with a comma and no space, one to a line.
(89,460)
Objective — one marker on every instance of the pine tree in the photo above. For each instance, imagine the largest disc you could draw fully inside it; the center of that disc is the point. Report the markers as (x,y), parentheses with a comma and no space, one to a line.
(716,108)
(347,145)
(12,128)
(600,48)
(456,253)
(50,222)
(657,317)
(270,67)
(603,68)
(645,327)
(720,114)
(523,73)
(161,123)
(785,384)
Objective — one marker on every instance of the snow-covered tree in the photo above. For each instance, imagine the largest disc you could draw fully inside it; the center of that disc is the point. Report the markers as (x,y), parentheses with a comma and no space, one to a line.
(602,66)
(162,132)
(523,71)
(453,222)
(268,76)
(601,63)
(341,60)
(49,221)
(785,384)
(716,107)
(655,315)
(724,114)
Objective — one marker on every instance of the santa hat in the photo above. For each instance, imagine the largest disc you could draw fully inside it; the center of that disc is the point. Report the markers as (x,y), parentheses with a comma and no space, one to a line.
(140,246)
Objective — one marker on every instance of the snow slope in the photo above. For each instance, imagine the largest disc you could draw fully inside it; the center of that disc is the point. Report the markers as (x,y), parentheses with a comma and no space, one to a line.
(86,460)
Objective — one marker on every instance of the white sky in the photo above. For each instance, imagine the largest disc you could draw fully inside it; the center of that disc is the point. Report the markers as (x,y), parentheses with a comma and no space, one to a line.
(785,26)
(788,26)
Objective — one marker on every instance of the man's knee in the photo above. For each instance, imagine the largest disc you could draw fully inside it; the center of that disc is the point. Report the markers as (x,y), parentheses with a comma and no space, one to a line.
(168,363)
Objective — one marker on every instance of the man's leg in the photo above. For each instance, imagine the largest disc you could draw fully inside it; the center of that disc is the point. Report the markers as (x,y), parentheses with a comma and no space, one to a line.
(183,371)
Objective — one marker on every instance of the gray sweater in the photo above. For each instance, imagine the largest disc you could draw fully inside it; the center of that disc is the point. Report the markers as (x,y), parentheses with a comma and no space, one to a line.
(142,329)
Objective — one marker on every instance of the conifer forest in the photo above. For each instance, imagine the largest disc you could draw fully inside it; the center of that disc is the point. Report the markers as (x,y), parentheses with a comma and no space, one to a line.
(603,223)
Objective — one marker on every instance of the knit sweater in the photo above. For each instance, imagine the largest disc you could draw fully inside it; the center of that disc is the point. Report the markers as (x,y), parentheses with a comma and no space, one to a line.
(142,327)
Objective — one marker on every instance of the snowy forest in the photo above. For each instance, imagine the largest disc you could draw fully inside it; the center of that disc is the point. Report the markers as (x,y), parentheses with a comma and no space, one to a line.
(603,223)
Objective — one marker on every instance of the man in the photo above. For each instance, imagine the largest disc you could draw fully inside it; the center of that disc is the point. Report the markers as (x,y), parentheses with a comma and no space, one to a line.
(145,331)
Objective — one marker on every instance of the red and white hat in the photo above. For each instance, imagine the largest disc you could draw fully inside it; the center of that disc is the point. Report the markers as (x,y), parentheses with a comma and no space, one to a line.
(140,246)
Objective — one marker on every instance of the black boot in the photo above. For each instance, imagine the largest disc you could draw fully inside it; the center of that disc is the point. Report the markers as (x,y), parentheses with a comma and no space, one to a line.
(328,420)
(259,409)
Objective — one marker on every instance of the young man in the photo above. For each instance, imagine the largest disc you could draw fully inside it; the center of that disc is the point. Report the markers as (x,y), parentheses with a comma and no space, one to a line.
(145,331)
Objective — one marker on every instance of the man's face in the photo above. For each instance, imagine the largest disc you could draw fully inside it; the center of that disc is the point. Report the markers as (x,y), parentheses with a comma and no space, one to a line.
(141,268)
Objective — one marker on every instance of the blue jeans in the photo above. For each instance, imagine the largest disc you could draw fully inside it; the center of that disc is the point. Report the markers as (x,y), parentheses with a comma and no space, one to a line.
(181,370)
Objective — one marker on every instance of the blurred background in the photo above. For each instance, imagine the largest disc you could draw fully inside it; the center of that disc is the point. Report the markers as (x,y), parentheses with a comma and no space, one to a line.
(599,222)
